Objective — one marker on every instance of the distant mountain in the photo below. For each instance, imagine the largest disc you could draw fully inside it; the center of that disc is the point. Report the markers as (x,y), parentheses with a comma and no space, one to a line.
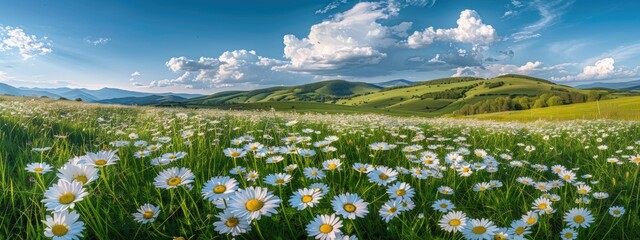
(87,95)
(146,100)
(395,83)
(631,85)
(319,91)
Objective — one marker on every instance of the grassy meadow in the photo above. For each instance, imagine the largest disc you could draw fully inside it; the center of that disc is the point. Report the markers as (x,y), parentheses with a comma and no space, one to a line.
(221,174)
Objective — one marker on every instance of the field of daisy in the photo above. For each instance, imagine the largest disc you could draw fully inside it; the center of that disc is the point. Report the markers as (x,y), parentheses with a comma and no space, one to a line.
(74,171)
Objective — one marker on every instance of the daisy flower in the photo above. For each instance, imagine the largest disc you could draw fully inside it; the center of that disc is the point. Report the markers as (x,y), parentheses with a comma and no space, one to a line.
(453,221)
(146,213)
(101,158)
(313,173)
(400,190)
(567,176)
(568,234)
(230,223)
(254,202)
(531,218)
(306,197)
(583,189)
(63,195)
(382,175)
(379,146)
(616,211)
(464,171)
(81,173)
(38,167)
(363,167)
(443,205)
(518,230)
(291,167)
(320,187)
(541,205)
(278,179)
(219,187)
(324,227)
(63,225)
(479,229)
(390,209)
(234,152)
(350,206)
(173,178)
(252,175)
(172,156)
(274,159)
(481,187)
(332,164)
(445,190)
(154,147)
(578,217)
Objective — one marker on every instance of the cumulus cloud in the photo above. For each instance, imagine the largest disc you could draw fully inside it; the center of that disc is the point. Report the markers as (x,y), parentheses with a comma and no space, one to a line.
(470,30)
(231,67)
(349,40)
(28,46)
(133,76)
(602,69)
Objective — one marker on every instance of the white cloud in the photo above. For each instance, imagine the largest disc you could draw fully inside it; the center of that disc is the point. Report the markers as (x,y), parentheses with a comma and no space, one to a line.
(98,41)
(136,73)
(602,69)
(493,70)
(331,6)
(4,76)
(549,12)
(348,41)
(231,67)
(436,60)
(470,30)
(28,46)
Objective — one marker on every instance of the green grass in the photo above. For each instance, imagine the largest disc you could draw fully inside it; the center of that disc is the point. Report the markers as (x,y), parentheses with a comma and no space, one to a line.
(106,212)
(626,108)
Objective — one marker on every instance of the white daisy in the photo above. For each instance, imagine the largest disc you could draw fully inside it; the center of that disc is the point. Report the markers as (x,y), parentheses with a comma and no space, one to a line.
(578,217)
(81,173)
(173,178)
(477,229)
(38,167)
(400,190)
(443,205)
(230,223)
(254,202)
(306,197)
(63,225)
(350,206)
(390,209)
(569,234)
(146,213)
(383,175)
(219,187)
(324,227)
(101,158)
(278,179)
(453,221)
(616,211)
(63,195)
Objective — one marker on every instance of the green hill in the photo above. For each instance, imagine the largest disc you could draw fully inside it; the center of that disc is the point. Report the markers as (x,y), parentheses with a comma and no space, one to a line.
(449,95)
(626,108)
(319,92)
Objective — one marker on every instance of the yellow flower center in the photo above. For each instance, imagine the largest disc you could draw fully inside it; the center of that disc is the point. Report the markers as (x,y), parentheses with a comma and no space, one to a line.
(82,179)
(154,147)
(254,205)
(174,181)
(479,154)
(235,154)
(428,161)
(219,189)
(232,222)
(392,210)
(59,230)
(383,176)
(542,206)
(332,166)
(314,173)
(531,221)
(100,162)
(616,212)
(361,169)
(636,160)
(326,228)
(466,169)
(479,230)
(349,207)
(307,198)
(578,219)
(455,222)
(567,177)
(401,192)
(444,205)
(147,214)
(279,181)
(38,169)
(499,236)
(172,156)
(568,235)
(67,198)
(253,148)
(582,191)
(520,230)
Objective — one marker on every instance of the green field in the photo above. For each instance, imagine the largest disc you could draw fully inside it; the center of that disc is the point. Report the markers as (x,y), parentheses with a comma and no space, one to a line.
(626,108)
(504,172)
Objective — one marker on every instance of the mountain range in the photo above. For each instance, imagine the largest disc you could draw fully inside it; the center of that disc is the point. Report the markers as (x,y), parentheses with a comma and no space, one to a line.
(631,85)
(102,95)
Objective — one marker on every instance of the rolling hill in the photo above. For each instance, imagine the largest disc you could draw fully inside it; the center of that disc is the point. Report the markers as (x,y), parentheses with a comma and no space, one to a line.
(319,92)
(146,100)
(626,108)
(630,85)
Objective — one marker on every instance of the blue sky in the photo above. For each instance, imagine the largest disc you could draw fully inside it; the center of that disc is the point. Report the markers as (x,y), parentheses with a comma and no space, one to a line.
(211,46)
